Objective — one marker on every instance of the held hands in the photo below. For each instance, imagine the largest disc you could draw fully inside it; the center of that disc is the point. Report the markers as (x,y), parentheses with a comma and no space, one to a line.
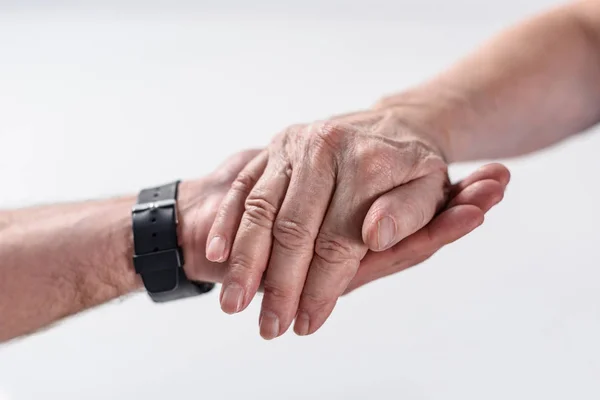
(468,201)
(331,206)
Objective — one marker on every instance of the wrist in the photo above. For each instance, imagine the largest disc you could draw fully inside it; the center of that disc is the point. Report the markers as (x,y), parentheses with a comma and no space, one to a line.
(197,203)
(436,114)
(118,272)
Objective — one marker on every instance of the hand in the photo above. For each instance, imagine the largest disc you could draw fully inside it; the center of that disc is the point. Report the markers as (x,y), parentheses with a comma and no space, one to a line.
(311,207)
(469,200)
(198,203)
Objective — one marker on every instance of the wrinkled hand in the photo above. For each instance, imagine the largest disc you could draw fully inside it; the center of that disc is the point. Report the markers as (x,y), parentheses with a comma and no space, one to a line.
(303,214)
(469,200)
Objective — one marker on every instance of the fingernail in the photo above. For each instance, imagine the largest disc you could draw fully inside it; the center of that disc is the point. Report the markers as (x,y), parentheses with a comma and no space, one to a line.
(232,299)
(269,325)
(386,231)
(302,324)
(216,249)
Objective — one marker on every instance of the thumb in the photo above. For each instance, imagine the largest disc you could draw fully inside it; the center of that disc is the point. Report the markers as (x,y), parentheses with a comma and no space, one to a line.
(402,211)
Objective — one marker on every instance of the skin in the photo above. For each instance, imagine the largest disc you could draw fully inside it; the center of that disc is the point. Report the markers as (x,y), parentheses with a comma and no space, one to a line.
(366,167)
(530,87)
(303,215)
(58,260)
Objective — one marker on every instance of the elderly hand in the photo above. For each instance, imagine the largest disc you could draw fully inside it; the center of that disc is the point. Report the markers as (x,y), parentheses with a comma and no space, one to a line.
(303,214)
(469,200)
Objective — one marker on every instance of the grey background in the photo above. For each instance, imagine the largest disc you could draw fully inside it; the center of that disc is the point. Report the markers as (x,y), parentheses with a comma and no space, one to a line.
(89,90)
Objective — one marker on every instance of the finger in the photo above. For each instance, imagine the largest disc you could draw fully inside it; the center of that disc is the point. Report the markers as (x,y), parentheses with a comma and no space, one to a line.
(378,229)
(337,254)
(447,227)
(483,194)
(495,171)
(252,244)
(464,215)
(294,233)
(402,211)
(221,235)
(332,268)
(339,246)
(459,219)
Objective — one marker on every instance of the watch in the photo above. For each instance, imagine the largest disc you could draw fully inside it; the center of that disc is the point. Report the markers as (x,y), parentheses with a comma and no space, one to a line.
(158,258)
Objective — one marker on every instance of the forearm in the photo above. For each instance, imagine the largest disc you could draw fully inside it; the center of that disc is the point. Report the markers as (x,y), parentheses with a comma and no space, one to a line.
(530,87)
(62,259)
(33,213)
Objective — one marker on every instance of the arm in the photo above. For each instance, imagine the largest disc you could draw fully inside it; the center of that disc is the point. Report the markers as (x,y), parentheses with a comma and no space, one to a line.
(304,217)
(58,260)
(530,87)
(62,259)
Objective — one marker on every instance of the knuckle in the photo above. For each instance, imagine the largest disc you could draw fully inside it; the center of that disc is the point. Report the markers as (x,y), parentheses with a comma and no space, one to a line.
(316,301)
(434,163)
(325,145)
(323,160)
(243,183)
(412,153)
(425,158)
(374,163)
(333,133)
(240,265)
(333,249)
(278,292)
(292,234)
(260,211)
(338,274)
(368,151)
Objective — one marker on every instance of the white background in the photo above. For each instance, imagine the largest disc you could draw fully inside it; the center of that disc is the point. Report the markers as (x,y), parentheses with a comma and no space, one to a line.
(89,90)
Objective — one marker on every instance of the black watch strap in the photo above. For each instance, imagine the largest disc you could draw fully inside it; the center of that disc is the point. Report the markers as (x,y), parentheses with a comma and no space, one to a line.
(157,255)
